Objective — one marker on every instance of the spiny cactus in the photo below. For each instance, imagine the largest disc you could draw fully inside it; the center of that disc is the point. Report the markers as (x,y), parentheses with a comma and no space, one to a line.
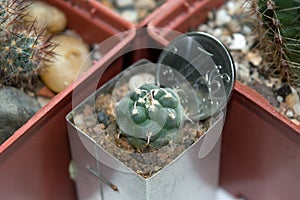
(11,13)
(150,117)
(279,25)
(23,49)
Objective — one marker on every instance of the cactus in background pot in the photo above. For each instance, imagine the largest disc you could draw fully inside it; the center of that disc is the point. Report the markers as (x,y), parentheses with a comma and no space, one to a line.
(23,48)
(279,36)
(150,116)
(11,13)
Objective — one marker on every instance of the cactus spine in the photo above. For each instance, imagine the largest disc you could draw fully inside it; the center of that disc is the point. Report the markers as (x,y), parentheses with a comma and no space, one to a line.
(23,49)
(279,25)
(150,117)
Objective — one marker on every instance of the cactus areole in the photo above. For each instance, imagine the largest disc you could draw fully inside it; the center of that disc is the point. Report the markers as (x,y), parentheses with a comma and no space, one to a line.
(150,116)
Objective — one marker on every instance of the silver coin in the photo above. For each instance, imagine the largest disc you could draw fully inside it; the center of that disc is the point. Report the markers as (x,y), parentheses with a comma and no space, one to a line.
(207,65)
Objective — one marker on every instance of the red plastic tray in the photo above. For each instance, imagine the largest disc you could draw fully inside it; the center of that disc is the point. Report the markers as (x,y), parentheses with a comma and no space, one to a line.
(260,146)
(182,16)
(34,161)
(144,22)
(260,149)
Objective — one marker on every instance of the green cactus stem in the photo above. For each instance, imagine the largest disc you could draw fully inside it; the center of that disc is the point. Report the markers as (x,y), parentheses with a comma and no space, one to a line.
(279,25)
(150,117)
(23,49)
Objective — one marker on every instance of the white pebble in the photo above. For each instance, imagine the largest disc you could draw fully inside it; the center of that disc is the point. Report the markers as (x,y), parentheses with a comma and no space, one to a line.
(222,17)
(232,7)
(279,99)
(238,42)
(289,114)
(124,3)
(130,15)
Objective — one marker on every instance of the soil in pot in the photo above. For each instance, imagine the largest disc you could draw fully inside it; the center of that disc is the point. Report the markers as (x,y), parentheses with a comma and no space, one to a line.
(98,122)
(231,24)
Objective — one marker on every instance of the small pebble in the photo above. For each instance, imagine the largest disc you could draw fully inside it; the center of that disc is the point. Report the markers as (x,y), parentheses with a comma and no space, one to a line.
(232,7)
(222,17)
(130,15)
(124,3)
(102,118)
(254,58)
(238,42)
(289,114)
(279,99)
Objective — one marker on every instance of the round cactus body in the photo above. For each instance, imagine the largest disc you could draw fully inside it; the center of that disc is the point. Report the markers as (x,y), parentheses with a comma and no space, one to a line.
(150,116)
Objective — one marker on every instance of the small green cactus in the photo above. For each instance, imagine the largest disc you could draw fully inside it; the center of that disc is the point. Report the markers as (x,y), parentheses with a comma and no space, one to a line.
(23,49)
(279,25)
(150,117)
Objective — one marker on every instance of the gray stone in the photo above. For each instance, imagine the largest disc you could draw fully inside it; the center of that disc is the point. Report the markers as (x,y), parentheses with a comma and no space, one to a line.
(16,108)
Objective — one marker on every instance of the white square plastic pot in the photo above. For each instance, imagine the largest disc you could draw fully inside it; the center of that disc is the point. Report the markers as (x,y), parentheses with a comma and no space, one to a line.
(100,176)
